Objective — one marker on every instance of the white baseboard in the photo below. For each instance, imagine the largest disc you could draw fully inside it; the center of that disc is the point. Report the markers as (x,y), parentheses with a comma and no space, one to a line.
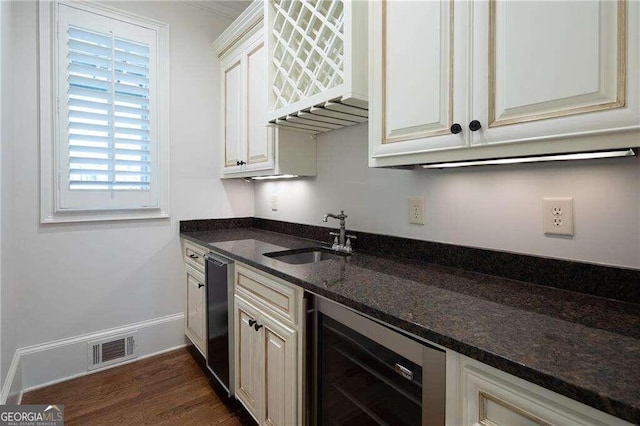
(12,388)
(97,370)
(57,361)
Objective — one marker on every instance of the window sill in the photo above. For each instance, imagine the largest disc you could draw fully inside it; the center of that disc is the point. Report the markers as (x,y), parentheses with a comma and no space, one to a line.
(102,216)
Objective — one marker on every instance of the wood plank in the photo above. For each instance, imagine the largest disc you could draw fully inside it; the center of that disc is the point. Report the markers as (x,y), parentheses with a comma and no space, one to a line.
(336,114)
(168,389)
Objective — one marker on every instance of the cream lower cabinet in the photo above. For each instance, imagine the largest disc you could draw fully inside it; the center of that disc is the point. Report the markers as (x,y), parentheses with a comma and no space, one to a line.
(457,80)
(268,344)
(247,342)
(195,316)
(491,397)
(280,348)
(194,295)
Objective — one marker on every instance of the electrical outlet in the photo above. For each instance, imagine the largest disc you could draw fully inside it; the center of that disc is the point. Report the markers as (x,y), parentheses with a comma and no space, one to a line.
(416,210)
(558,216)
(274,203)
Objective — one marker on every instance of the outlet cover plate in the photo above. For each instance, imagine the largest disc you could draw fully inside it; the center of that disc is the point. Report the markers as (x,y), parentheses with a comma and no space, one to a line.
(558,216)
(416,210)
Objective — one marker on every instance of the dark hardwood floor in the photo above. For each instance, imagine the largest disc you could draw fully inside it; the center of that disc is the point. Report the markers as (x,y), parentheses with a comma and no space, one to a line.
(168,389)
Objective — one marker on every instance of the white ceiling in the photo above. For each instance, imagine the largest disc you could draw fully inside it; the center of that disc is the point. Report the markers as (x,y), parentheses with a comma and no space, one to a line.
(227,8)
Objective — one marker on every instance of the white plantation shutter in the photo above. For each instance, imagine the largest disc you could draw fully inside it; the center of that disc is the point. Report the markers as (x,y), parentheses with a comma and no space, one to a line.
(108,138)
(108,106)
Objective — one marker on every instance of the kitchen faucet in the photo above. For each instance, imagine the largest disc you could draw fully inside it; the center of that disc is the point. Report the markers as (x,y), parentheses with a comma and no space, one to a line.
(339,243)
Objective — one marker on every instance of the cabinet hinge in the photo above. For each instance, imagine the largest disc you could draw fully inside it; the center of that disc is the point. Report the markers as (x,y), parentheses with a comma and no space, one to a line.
(58,181)
(57,30)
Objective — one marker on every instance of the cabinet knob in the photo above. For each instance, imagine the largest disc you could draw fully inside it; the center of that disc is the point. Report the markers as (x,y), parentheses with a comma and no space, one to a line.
(475,125)
(456,128)
(200,285)
(257,327)
(237,163)
(252,322)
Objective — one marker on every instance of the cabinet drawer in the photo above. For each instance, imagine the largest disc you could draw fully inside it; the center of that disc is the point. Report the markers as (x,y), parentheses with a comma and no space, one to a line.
(194,255)
(495,411)
(278,297)
(495,398)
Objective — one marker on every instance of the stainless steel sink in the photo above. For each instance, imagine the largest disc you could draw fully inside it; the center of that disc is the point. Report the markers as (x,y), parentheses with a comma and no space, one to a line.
(306,255)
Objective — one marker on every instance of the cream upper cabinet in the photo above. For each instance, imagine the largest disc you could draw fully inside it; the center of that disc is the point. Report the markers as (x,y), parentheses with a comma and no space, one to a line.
(519,78)
(419,84)
(317,63)
(248,142)
(232,82)
(259,137)
(252,147)
(564,77)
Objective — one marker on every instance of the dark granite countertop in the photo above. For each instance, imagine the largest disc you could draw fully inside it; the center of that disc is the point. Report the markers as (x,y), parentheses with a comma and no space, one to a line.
(581,346)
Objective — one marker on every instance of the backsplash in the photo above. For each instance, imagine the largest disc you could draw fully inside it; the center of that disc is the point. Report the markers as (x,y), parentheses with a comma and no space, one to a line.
(493,207)
(610,282)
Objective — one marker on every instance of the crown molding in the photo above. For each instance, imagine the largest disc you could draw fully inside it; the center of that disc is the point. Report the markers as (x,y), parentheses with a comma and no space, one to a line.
(214,7)
(240,28)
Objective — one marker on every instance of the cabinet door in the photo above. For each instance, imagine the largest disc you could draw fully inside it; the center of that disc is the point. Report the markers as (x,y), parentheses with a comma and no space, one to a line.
(195,315)
(418,85)
(575,74)
(248,355)
(280,373)
(233,114)
(259,138)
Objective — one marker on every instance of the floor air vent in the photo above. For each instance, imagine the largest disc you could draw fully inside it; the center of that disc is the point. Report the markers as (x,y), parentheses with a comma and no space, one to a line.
(113,350)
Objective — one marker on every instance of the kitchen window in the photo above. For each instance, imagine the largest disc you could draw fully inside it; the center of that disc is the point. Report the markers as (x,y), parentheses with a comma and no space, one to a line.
(104,114)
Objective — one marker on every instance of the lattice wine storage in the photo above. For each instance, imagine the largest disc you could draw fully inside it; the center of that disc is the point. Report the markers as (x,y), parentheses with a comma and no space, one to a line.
(317,63)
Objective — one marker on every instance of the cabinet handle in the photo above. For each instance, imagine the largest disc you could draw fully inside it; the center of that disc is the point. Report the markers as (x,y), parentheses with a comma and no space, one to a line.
(456,128)
(475,125)
(193,256)
(200,285)
(257,327)
(252,322)
(242,163)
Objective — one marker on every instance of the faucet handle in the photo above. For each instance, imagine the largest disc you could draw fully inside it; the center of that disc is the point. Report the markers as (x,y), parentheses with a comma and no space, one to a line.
(347,245)
(336,243)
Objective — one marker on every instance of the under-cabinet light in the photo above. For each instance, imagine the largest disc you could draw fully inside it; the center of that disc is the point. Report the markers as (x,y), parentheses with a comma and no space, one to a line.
(516,160)
(274,177)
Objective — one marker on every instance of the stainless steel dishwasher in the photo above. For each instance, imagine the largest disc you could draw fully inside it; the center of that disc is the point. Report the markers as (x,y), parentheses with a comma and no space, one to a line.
(219,296)
(368,374)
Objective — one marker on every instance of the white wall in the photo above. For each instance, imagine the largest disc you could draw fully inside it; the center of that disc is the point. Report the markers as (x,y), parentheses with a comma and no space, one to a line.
(491,207)
(8,294)
(81,278)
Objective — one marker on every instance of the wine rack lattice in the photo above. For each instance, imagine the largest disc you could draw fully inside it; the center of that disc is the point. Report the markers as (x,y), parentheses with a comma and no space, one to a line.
(308,49)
